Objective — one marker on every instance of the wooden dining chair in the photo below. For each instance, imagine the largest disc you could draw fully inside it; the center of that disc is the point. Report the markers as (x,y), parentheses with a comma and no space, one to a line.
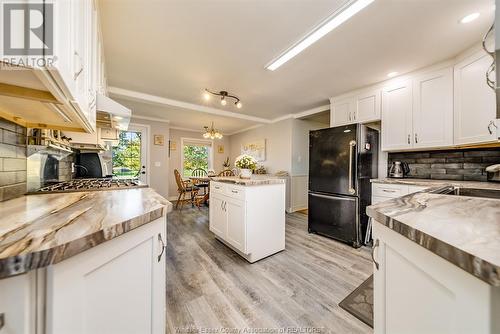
(200,172)
(226,172)
(185,187)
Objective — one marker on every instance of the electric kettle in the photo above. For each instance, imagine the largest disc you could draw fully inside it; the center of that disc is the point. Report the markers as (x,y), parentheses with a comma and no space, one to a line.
(399,169)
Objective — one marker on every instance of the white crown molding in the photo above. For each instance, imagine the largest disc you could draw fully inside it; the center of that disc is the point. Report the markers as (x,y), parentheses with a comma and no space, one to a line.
(245,129)
(156,119)
(153,99)
(185,129)
(311,111)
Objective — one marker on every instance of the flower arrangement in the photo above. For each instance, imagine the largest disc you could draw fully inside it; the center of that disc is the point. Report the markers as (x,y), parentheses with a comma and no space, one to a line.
(245,161)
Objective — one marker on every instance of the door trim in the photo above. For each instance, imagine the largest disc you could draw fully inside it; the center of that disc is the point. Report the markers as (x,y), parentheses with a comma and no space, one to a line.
(144,129)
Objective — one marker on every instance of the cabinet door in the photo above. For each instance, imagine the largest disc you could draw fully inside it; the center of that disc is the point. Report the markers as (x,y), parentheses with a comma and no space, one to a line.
(433,109)
(18,304)
(218,217)
(368,106)
(236,224)
(115,287)
(342,111)
(397,108)
(475,105)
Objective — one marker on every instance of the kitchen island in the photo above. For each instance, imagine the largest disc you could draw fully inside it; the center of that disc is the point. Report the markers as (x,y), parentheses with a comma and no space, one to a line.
(248,215)
(437,261)
(79,262)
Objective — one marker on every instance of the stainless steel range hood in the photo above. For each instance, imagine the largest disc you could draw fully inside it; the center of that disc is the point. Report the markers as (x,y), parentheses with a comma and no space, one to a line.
(112,113)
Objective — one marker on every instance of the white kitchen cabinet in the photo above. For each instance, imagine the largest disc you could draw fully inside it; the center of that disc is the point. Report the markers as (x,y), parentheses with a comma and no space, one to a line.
(368,106)
(18,304)
(343,111)
(397,109)
(115,287)
(385,191)
(475,104)
(248,219)
(433,109)
(416,291)
(361,107)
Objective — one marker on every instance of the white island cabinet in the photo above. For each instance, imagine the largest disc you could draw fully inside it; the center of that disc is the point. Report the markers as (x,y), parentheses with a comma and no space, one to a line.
(249,217)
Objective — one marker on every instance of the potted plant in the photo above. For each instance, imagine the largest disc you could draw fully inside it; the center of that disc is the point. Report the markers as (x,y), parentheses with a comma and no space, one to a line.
(246,163)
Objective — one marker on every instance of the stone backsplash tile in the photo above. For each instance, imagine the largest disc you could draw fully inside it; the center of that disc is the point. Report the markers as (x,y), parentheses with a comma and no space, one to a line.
(12,160)
(467,165)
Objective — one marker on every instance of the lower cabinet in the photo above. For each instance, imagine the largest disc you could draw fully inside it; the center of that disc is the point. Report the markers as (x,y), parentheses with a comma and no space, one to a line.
(384,191)
(228,221)
(117,287)
(416,291)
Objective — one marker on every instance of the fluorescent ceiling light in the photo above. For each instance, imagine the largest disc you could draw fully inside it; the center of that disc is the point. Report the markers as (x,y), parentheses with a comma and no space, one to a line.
(469,18)
(392,74)
(336,19)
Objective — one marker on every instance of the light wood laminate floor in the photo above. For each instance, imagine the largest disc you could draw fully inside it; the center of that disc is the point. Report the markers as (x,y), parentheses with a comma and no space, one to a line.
(211,287)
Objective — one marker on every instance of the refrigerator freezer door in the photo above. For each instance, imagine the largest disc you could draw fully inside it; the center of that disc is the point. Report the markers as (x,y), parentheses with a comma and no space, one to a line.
(333,160)
(334,216)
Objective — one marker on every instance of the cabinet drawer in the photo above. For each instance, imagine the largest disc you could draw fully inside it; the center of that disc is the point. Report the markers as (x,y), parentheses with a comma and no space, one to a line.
(235,192)
(389,190)
(217,188)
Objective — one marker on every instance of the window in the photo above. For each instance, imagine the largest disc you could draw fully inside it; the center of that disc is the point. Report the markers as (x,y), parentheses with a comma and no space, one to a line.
(195,154)
(127,155)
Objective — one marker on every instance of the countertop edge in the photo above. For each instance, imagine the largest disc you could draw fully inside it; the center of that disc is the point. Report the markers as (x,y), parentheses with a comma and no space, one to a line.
(481,269)
(23,263)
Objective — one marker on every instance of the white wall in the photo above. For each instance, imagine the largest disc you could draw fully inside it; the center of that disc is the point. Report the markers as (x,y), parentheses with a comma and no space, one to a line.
(158,174)
(300,162)
(175,156)
(278,138)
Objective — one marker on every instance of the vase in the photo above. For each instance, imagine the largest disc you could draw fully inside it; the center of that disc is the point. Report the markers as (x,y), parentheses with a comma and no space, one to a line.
(245,173)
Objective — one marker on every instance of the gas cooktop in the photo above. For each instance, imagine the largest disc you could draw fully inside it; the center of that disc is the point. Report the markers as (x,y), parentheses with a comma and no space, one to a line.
(90,185)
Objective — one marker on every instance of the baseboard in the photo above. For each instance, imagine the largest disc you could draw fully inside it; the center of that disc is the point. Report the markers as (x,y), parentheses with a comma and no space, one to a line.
(173,198)
(298,208)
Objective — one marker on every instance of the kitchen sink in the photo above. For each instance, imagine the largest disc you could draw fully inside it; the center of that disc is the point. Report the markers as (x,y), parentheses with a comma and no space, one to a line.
(471,192)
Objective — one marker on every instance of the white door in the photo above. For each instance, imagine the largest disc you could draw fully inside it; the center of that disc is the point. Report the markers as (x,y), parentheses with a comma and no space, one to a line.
(130,158)
(433,109)
(117,287)
(368,106)
(218,216)
(342,112)
(397,108)
(475,105)
(236,224)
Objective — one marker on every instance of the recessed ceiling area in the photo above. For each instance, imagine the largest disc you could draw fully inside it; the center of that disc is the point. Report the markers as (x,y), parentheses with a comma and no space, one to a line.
(175,49)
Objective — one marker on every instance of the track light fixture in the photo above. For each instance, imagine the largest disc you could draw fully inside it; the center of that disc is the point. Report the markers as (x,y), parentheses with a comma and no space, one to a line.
(224,96)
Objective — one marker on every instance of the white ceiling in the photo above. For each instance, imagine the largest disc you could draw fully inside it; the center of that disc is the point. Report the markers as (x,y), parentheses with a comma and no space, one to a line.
(176,48)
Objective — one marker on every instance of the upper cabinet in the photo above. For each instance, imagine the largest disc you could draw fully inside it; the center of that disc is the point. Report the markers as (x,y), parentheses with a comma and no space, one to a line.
(360,107)
(70,79)
(397,109)
(418,113)
(433,109)
(475,104)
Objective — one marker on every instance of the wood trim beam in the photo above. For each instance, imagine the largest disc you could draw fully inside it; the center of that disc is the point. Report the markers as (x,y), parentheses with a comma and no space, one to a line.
(27,93)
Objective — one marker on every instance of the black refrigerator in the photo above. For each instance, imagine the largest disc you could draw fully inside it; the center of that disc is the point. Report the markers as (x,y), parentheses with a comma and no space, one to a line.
(342,160)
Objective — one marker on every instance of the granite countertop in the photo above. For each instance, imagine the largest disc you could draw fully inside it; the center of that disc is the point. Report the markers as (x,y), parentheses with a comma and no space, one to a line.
(255,180)
(438,183)
(463,230)
(39,230)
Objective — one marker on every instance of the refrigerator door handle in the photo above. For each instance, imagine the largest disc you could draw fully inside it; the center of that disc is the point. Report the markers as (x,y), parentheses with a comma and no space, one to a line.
(352,147)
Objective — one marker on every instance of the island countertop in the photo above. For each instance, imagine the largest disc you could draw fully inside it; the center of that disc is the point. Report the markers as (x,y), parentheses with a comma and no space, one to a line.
(40,230)
(463,230)
(255,180)
(438,183)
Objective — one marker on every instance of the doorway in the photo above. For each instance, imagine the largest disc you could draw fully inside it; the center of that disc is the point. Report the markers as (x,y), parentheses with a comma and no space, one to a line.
(130,156)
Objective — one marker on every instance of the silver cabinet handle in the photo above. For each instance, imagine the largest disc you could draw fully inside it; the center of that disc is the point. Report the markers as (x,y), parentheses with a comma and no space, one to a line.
(375,245)
(77,73)
(162,246)
(349,116)
(234,191)
(492,123)
(352,145)
(225,206)
(408,139)
(388,191)
(416,138)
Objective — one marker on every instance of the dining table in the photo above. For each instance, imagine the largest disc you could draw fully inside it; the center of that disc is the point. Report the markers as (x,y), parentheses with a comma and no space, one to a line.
(202,179)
